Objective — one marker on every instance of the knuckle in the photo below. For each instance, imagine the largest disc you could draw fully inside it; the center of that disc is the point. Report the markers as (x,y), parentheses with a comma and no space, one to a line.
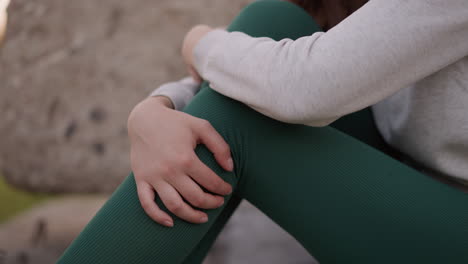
(145,175)
(227,150)
(146,205)
(174,206)
(205,124)
(165,169)
(217,185)
(197,201)
(186,161)
(141,172)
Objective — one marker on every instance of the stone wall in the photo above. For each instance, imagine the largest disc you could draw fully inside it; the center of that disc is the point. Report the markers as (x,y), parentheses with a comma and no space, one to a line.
(71,71)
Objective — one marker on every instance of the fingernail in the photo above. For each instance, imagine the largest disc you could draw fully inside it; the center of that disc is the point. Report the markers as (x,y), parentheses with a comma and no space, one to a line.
(204,219)
(230,164)
(168,223)
(228,190)
(221,203)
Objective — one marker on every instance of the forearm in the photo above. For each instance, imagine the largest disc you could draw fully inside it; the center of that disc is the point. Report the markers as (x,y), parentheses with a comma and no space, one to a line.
(315,80)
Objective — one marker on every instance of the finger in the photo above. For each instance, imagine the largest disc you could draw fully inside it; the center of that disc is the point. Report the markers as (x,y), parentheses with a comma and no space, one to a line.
(216,144)
(146,196)
(208,179)
(195,195)
(177,206)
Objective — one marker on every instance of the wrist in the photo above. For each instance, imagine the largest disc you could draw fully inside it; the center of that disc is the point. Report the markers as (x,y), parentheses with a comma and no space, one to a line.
(145,107)
(161,100)
(191,40)
(206,46)
(199,33)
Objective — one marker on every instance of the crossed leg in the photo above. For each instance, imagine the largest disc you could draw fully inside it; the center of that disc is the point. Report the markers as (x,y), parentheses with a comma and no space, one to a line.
(343,200)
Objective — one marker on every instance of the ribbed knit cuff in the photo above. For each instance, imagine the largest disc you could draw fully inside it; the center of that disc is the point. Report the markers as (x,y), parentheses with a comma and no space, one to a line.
(180,92)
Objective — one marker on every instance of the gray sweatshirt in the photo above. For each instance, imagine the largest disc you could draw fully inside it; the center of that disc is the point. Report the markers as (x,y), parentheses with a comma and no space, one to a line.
(407,59)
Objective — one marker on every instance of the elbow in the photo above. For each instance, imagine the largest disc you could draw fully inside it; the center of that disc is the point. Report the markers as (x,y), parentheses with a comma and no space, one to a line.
(308,120)
(319,117)
(320,123)
(316,111)
(303,112)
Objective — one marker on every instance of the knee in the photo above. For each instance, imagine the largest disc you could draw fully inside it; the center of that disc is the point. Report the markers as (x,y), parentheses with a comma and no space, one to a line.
(254,15)
(222,112)
(226,117)
(260,6)
(274,19)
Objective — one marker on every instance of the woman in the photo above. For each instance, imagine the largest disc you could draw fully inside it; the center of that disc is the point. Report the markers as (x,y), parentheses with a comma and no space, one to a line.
(341,198)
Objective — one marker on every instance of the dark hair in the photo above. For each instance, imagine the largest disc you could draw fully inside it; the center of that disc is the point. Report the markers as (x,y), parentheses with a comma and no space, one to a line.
(309,5)
(314,5)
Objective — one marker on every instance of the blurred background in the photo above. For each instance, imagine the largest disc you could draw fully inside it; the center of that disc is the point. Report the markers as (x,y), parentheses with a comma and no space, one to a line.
(70,72)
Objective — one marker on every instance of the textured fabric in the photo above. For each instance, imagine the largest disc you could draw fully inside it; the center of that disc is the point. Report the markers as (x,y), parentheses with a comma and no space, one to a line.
(180,92)
(343,200)
(416,47)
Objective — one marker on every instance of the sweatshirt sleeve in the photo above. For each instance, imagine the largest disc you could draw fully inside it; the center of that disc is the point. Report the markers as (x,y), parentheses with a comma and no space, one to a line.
(381,48)
(180,93)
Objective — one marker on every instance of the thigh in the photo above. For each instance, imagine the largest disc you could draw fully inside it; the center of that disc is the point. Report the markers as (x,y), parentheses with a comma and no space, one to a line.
(347,202)
(122,233)
(198,254)
(361,126)
(343,200)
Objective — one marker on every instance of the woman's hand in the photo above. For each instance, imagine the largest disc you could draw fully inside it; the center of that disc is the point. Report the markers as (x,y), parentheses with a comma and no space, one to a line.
(190,42)
(3,18)
(163,160)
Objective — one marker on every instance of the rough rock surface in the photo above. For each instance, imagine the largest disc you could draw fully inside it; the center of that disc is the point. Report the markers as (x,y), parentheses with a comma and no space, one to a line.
(70,72)
(41,234)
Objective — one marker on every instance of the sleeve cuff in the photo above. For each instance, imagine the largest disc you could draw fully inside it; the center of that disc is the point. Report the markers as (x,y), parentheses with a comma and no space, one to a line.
(180,92)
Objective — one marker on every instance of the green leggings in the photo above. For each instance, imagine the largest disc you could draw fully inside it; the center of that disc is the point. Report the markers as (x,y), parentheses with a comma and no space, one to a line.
(331,188)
